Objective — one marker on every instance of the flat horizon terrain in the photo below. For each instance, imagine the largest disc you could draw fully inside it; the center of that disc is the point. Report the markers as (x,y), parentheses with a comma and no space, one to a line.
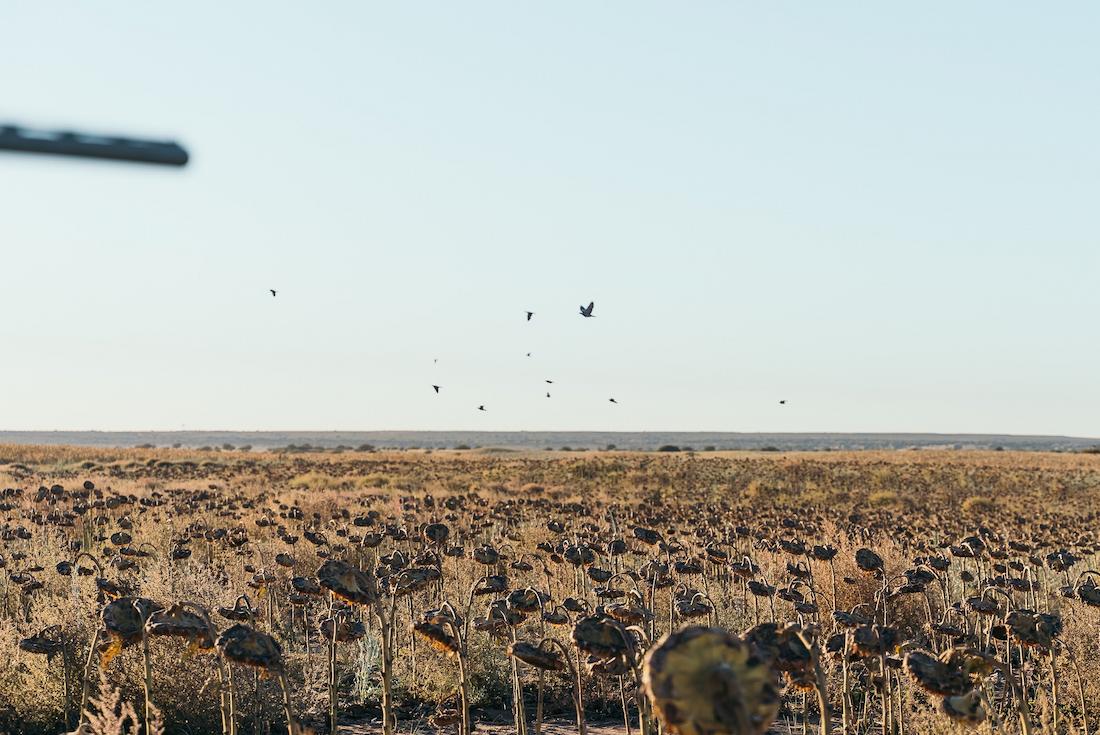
(557,440)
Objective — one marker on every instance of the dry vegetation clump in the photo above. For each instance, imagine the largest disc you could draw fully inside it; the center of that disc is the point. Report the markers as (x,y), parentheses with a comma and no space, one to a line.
(893,593)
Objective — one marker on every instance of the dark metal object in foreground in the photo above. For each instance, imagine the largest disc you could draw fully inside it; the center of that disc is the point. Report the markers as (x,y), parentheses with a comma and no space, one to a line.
(66,143)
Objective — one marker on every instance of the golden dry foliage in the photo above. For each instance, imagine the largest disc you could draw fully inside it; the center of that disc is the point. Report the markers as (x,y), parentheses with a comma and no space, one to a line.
(108,714)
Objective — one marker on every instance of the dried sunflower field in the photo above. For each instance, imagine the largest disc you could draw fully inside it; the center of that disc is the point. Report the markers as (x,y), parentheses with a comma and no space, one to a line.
(875,592)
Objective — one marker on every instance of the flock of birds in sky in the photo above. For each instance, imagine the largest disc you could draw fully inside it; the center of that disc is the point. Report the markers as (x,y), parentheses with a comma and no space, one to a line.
(585,311)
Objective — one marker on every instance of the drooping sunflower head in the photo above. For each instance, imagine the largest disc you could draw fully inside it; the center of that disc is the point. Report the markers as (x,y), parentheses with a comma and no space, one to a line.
(707,681)
(181,622)
(245,645)
(438,637)
(347,582)
(935,676)
(540,656)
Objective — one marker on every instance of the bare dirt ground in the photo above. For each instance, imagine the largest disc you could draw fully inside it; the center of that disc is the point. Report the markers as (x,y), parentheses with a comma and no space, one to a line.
(556,726)
(550,727)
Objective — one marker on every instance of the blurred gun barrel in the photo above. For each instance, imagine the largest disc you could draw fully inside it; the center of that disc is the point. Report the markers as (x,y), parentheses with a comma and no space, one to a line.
(66,143)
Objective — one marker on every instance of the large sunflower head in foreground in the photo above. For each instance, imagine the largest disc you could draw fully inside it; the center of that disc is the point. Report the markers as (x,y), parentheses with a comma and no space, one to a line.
(707,681)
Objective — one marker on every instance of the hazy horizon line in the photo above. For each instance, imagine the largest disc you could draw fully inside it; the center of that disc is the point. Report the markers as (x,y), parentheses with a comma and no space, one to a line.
(545,431)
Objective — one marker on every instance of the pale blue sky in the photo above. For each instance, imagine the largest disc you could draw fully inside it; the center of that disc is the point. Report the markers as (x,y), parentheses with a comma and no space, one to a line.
(886,215)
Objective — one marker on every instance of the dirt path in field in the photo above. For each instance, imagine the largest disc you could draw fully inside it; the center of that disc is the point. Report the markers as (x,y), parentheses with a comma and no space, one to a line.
(550,727)
(557,726)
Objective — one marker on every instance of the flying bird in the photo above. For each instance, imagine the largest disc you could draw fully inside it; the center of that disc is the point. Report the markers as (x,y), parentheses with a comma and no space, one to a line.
(272,292)
(436,387)
(547,395)
(612,400)
(783,402)
(551,382)
(529,315)
(528,354)
(586,311)
(481,408)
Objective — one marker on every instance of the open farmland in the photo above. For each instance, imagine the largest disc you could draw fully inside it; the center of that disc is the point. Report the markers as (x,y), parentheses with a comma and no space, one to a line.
(255,592)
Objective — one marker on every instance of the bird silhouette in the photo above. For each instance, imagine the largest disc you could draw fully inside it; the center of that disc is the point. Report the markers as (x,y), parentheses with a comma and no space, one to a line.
(783,402)
(272,292)
(547,395)
(529,315)
(436,387)
(528,354)
(612,400)
(481,408)
(551,382)
(586,311)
